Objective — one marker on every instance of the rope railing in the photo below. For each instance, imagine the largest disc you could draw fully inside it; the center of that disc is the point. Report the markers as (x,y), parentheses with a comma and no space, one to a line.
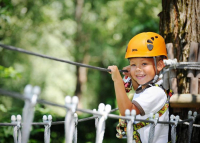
(71,119)
(21,130)
(12,48)
(171,63)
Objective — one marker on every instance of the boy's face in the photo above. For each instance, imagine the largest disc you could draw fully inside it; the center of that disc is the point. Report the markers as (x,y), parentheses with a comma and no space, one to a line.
(142,69)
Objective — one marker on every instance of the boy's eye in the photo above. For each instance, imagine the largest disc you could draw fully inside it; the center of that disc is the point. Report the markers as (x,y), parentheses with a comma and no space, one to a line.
(144,64)
(133,65)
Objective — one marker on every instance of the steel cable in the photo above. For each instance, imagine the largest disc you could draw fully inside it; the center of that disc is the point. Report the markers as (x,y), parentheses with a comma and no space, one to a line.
(19,96)
(12,48)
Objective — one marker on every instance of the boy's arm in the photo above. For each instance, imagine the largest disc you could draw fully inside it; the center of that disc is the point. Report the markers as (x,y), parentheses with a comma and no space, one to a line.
(123,101)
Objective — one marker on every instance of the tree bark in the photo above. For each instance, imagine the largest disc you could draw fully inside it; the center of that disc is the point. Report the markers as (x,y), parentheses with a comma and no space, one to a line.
(180,25)
(80,53)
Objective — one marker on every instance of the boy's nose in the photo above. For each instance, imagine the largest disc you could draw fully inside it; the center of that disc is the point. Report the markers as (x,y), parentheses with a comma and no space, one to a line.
(138,69)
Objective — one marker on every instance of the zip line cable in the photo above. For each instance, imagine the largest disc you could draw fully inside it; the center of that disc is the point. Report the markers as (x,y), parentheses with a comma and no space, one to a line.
(180,65)
(12,48)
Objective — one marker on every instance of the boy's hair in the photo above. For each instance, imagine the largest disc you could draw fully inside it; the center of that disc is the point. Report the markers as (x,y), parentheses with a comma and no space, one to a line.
(147,44)
(158,58)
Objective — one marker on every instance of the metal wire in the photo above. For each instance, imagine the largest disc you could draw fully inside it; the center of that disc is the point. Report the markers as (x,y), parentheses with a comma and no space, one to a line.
(19,96)
(8,124)
(86,119)
(186,67)
(12,94)
(189,63)
(12,48)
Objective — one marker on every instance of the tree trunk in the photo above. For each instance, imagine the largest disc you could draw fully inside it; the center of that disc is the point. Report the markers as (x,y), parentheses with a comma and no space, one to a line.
(180,25)
(80,53)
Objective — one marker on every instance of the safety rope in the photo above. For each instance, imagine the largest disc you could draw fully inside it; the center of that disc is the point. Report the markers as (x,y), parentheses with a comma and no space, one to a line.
(173,64)
(15,134)
(190,131)
(71,124)
(173,133)
(21,97)
(187,123)
(12,48)
(151,133)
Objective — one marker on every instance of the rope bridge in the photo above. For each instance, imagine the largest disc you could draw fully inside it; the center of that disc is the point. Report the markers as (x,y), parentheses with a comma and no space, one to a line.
(21,130)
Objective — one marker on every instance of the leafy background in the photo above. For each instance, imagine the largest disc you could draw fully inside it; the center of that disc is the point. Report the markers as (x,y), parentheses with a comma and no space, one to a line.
(50,27)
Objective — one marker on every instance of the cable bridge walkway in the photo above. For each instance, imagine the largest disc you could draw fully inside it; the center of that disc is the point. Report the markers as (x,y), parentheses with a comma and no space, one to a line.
(21,130)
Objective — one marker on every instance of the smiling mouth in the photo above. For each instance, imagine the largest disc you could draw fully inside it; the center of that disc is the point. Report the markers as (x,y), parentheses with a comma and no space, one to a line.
(140,76)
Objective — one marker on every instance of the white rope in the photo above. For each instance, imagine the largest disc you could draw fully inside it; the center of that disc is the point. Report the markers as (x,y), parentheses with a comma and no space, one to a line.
(173,133)
(28,111)
(172,63)
(173,127)
(47,120)
(16,128)
(153,125)
(191,117)
(71,104)
(130,129)
(70,126)
(187,123)
(100,121)
(15,134)
(75,130)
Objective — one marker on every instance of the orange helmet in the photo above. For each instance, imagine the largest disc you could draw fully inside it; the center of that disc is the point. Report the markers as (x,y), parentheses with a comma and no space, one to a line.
(147,44)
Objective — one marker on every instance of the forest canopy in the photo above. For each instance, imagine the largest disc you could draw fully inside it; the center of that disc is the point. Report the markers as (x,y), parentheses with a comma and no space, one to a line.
(91,32)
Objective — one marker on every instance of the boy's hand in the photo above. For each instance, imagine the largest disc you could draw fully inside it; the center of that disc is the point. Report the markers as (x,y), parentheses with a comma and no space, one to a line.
(128,68)
(134,83)
(115,73)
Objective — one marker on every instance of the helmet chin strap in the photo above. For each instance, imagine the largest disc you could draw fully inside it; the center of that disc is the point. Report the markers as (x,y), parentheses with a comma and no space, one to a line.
(156,76)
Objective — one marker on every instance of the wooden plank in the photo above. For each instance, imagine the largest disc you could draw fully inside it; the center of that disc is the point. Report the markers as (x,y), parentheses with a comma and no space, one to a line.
(191,73)
(198,72)
(199,86)
(185,100)
(172,81)
(170,50)
(174,84)
(184,105)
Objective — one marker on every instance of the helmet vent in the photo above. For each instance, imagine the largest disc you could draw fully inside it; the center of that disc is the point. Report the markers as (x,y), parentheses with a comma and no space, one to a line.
(150,47)
(156,36)
(149,41)
(152,38)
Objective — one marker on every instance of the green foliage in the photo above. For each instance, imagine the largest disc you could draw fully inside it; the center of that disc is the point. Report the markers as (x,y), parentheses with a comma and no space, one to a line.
(8,73)
(50,27)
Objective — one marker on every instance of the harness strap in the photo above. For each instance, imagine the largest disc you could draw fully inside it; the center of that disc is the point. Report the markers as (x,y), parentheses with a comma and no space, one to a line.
(121,127)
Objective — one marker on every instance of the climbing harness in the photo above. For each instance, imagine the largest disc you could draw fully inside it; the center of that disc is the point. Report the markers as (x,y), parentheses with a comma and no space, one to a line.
(70,122)
(127,83)
(121,127)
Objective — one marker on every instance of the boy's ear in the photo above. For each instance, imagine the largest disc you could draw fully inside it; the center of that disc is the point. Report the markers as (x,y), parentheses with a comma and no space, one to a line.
(160,65)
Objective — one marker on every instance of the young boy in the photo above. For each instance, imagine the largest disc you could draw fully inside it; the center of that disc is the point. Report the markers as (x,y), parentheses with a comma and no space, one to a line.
(145,53)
